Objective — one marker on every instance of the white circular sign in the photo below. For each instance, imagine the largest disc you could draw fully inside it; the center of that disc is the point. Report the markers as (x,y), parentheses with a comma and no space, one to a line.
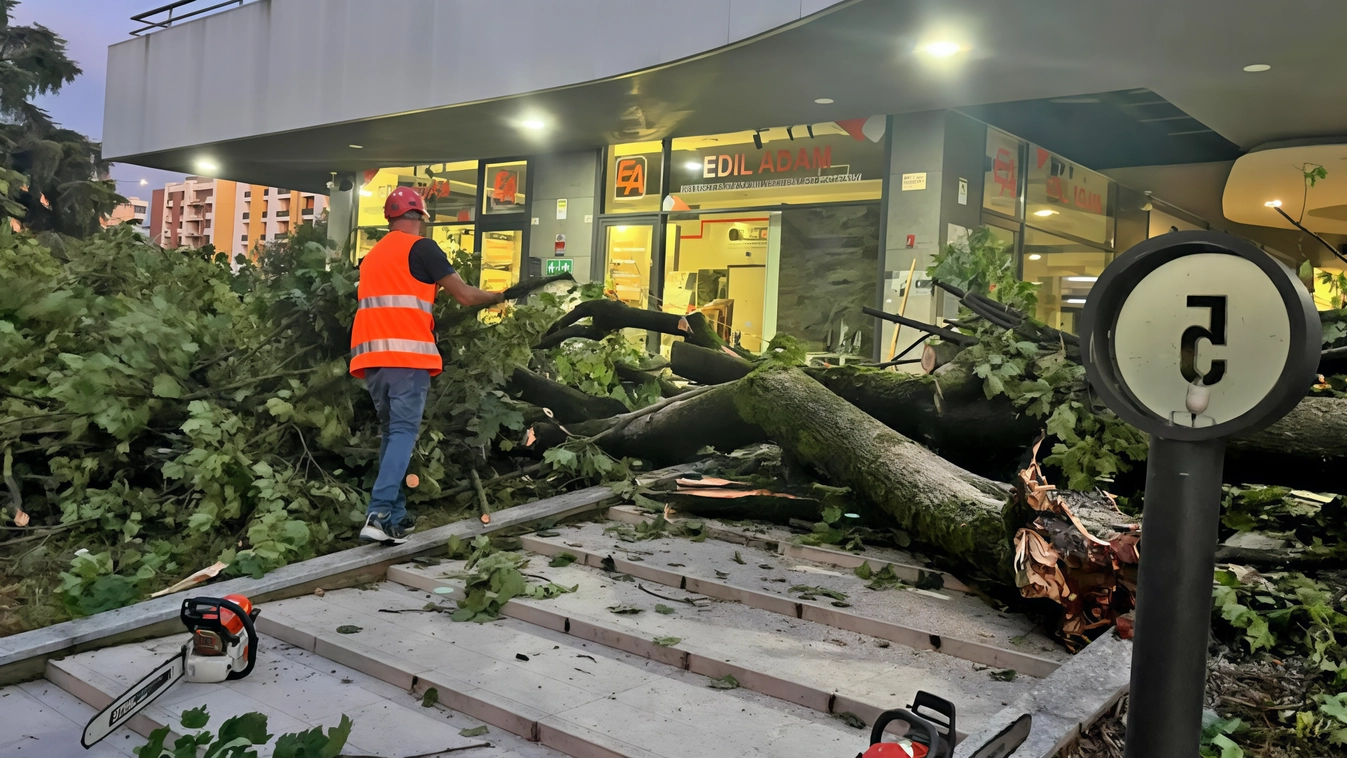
(1202,339)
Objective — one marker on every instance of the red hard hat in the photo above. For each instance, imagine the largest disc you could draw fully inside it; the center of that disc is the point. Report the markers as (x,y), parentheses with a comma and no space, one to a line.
(403,200)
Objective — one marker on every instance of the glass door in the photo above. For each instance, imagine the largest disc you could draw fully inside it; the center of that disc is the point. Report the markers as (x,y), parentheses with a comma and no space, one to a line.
(628,258)
(717,264)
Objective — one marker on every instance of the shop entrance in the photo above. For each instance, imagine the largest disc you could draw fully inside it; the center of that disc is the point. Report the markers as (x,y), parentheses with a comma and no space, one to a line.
(628,255)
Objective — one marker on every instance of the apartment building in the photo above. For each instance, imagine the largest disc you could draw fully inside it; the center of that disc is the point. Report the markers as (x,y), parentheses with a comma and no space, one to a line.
(134,209)
(233,217)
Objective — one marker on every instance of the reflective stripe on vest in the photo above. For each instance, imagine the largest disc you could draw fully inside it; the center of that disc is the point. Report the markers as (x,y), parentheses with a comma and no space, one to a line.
(395,301)
(398,346)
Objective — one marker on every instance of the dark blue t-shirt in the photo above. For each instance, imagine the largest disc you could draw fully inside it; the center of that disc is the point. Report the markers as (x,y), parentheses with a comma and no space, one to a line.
(427,261)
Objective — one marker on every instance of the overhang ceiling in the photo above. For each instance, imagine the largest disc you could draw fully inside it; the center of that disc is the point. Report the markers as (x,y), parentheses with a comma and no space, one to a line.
(1278,175)
(861,56)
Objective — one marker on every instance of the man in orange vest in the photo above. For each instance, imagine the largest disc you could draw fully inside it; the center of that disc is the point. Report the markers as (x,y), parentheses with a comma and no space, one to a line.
(393,347)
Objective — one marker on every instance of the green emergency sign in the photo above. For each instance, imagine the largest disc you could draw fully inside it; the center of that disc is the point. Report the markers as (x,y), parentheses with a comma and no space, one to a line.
(559,266)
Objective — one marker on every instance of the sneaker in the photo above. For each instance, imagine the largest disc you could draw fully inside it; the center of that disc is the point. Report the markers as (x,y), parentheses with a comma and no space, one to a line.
(378,530)
(407,525)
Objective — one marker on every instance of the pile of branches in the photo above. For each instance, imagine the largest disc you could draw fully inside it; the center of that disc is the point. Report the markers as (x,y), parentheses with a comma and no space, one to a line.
(163,410)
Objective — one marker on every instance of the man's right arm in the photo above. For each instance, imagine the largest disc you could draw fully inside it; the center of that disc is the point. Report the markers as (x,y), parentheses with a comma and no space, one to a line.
(468,295)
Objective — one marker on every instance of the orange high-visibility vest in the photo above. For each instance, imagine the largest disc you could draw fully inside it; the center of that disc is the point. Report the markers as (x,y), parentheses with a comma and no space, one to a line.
(393,326)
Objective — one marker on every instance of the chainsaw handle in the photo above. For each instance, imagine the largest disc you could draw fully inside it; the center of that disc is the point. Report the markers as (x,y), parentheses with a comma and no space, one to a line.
(190,611)
(920,730)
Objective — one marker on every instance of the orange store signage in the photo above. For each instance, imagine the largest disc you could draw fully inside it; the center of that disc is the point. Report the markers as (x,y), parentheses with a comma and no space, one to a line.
(630,177)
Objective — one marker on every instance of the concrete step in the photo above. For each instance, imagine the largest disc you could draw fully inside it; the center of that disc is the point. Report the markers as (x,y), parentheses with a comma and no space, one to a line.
(41,720)
(580,698)
(294,688)
(952,623)
(795,660)
(778,539)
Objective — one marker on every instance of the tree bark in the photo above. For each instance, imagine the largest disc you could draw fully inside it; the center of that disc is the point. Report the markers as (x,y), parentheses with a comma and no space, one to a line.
(706,365)
(954,511)
(568,405)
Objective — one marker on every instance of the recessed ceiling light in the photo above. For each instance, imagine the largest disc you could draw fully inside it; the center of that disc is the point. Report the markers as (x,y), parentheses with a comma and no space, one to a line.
(1254,68)
(1082,278)
(533,123)
(1273,203)
(356,147)
(941,49)
(1035,257)
(1045,213)
(207,166)
(1076,300)
(824,101)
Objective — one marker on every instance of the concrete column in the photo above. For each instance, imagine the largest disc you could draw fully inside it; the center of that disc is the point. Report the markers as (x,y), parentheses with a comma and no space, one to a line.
(939,148)
(341,213)
(571,177)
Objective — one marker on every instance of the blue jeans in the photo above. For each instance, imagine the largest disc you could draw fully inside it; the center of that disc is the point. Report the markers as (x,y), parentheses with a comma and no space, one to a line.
(399,396)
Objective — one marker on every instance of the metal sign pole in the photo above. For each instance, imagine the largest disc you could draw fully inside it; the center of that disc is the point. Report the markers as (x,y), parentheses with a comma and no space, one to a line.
(1191,337)
(1178,556)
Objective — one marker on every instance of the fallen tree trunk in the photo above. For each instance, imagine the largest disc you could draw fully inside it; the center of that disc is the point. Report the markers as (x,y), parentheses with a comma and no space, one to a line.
(568,405)
(608,316)
(706,365)
(958,513)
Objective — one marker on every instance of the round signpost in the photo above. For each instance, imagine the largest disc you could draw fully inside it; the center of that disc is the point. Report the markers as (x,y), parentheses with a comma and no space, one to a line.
(1191,337)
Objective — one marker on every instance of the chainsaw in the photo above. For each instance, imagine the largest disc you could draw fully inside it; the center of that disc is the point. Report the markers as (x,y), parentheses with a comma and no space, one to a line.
(223,647)
(931,732)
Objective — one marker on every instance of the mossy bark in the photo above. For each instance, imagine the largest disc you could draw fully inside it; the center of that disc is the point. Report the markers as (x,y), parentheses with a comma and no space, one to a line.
(954,511)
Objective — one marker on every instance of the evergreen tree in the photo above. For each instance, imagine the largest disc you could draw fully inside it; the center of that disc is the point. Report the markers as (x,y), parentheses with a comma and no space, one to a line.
(51,179)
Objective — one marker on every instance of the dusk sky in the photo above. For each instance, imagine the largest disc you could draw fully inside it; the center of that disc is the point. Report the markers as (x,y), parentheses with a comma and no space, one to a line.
(89,27)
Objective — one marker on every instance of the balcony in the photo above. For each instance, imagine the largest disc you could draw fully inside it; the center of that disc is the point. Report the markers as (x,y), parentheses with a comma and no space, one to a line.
(282,214)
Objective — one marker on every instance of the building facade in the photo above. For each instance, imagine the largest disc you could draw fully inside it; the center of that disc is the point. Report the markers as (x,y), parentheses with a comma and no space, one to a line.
(233,217)
(776,166)
(134,210)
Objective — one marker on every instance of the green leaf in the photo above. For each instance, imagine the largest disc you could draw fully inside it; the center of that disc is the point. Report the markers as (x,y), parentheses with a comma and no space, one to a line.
(667,641)
(662,609)
(431,697)
(727,682)
(166,386)
(248,728)
(561,560)
(348,629)
(624,610)
(154,748)
(476,731)
(195,718)
(863,571)
(1007,675)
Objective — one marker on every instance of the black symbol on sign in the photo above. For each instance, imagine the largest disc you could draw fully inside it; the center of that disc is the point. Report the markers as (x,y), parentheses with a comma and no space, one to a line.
(1215,335)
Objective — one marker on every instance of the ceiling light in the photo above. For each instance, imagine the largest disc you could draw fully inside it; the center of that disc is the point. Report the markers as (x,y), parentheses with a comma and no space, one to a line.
(366,193)
(1273,203)
(144,182)
(1254,68)
(824,101)
(356,147)
(533,123)
(1076,300)
(1045,213)
(1082,278)
(1035,257)
(692,166)
(207,166)
(942,49)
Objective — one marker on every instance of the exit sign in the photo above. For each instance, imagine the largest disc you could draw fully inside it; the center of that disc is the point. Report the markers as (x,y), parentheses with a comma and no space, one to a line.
(559,266)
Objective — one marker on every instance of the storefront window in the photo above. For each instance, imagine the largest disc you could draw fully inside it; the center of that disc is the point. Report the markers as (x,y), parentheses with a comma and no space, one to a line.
(717,265)
(1001,177)
(449,189)
(819,163)
(627,249)
(635,175)
(1065,272)
(1067,198)
(506,184)
(501,259)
